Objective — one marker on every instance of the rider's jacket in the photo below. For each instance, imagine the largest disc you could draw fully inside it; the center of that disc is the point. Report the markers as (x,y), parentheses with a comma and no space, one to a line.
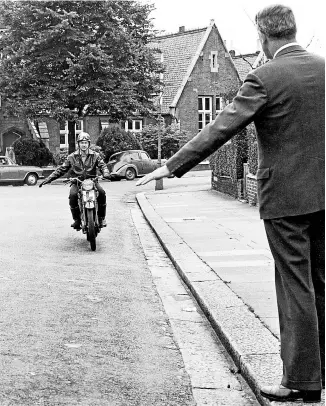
(80,169)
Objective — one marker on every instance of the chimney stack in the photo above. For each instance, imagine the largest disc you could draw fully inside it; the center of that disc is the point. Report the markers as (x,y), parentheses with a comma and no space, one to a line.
(182,29)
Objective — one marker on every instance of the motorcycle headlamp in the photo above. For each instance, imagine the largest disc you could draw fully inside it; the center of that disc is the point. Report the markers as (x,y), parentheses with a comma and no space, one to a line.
(88,184)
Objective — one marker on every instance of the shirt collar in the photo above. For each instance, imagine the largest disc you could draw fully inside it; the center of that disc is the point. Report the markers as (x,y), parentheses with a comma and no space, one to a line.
(283,47)
(90,152)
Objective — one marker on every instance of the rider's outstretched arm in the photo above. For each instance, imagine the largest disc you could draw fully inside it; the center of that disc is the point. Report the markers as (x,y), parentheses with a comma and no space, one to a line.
(61,170)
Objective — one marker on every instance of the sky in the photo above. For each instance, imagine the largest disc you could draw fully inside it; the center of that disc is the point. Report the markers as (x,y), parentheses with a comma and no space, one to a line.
(234,20)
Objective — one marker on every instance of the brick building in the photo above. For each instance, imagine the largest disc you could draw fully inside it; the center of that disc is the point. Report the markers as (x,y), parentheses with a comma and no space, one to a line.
(199,72)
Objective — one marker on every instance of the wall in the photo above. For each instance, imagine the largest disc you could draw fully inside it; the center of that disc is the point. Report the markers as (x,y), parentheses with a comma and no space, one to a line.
(54,138)
(8,123)
(92,126)
(251,191)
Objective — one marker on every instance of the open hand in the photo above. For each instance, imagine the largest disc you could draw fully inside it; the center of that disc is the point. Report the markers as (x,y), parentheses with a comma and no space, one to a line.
(159,173)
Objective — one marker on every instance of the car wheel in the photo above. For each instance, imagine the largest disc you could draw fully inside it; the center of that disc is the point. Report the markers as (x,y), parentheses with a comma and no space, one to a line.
(130,174)
(31,179)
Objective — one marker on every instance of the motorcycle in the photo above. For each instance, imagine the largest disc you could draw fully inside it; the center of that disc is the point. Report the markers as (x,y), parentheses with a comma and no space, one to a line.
(88,206)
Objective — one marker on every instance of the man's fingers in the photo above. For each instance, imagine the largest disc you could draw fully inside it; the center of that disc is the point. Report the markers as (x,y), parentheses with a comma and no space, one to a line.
(145,180)
(159,173)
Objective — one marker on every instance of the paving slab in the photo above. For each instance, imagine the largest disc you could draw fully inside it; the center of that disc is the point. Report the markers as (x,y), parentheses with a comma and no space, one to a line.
(219,247)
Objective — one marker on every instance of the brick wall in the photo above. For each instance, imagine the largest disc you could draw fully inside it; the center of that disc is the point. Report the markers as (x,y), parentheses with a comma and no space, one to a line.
(54,135)
(12,123)
(251,185)
(92,127)
(225,185)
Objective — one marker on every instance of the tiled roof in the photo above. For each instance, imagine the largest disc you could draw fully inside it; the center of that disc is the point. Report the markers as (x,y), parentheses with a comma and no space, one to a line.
(244,64)
(178,52)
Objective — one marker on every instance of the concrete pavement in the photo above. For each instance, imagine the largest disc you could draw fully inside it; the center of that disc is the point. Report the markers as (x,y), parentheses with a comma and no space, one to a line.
(219,248)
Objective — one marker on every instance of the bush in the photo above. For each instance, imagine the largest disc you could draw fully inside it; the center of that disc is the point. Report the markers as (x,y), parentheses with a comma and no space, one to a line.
(229,159)
(252,150)
(171,140)
(31,152)
(59,158)
(240,142)
(114,139)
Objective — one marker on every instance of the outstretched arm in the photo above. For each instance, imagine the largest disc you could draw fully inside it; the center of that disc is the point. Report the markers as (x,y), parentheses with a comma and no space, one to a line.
(61,170)
(249,101)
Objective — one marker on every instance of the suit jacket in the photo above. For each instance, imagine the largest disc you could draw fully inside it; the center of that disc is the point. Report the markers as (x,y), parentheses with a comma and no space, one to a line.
(285,99)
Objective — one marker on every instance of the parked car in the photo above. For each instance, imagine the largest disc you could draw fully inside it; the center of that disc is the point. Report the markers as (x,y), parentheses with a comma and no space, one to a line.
(11,173)
(130,164)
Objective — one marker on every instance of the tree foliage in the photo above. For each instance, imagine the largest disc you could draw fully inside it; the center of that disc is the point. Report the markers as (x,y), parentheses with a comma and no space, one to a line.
(66,59)
(114,139)
(171,140)
(31,152)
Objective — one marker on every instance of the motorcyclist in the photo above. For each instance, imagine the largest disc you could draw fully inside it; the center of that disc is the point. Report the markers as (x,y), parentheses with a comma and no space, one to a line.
(83,164)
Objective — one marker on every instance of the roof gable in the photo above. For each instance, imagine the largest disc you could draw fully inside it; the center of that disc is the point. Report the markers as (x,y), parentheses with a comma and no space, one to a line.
(179,52)
(245,63)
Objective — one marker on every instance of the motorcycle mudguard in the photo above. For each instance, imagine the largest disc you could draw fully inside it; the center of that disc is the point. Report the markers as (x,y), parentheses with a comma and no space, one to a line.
(89,199)
(89,205)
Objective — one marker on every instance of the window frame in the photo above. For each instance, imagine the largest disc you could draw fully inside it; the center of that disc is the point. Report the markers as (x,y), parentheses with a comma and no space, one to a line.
(214,63)
(65,133)
(203,112)
(218,111)
(133,125)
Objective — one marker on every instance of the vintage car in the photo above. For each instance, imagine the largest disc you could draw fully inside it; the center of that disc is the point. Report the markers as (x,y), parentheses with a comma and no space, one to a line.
(13,174)
(130,164)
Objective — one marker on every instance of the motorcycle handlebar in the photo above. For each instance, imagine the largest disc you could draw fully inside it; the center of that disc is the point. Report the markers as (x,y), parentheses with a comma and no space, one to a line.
(80,181)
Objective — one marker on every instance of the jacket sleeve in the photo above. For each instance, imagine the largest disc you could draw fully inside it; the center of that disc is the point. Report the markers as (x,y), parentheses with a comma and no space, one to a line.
(61,170)
(102,166)
(249,101)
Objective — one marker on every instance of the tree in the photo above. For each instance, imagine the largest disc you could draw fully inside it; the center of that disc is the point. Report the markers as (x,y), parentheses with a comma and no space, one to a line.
(171,140)
(114,139)
(67,59)
(31,152)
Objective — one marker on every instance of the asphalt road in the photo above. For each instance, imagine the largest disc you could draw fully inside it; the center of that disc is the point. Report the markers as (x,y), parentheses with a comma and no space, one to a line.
(81,327)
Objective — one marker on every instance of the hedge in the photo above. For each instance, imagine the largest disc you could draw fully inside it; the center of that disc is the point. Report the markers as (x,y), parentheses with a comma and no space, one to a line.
(31,152)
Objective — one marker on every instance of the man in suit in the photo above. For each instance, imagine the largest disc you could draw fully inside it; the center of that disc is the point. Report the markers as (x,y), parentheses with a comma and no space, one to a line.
(285,99)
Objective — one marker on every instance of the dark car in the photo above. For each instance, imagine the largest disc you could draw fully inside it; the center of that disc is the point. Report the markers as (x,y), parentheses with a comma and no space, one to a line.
(11,173)
(130,164)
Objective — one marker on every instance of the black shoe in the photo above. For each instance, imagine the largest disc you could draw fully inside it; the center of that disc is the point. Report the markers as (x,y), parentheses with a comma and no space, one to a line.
(280,393)
(76,225)
(102,222)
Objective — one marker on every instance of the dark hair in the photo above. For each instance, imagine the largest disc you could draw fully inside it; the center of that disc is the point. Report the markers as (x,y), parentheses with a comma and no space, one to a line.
(276,21)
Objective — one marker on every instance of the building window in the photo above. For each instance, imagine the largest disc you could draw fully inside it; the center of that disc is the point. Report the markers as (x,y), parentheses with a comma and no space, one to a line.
(218,105)
(133,125)
(214,64)
(79,127)
(105,124)
(204,111)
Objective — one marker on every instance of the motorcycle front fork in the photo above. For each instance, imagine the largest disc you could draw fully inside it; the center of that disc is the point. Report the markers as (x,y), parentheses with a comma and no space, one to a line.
(83,216)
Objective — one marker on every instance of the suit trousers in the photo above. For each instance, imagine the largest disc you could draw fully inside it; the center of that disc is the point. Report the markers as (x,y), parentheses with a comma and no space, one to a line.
(298,247)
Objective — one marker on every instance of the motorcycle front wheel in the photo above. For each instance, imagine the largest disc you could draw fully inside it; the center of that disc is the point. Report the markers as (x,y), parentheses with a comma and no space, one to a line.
(91,233)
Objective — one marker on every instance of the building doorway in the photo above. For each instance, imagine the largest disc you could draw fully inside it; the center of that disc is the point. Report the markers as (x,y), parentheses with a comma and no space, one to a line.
(8,138)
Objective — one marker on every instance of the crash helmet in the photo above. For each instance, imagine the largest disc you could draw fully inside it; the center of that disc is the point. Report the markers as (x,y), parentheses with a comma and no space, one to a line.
(83,137)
